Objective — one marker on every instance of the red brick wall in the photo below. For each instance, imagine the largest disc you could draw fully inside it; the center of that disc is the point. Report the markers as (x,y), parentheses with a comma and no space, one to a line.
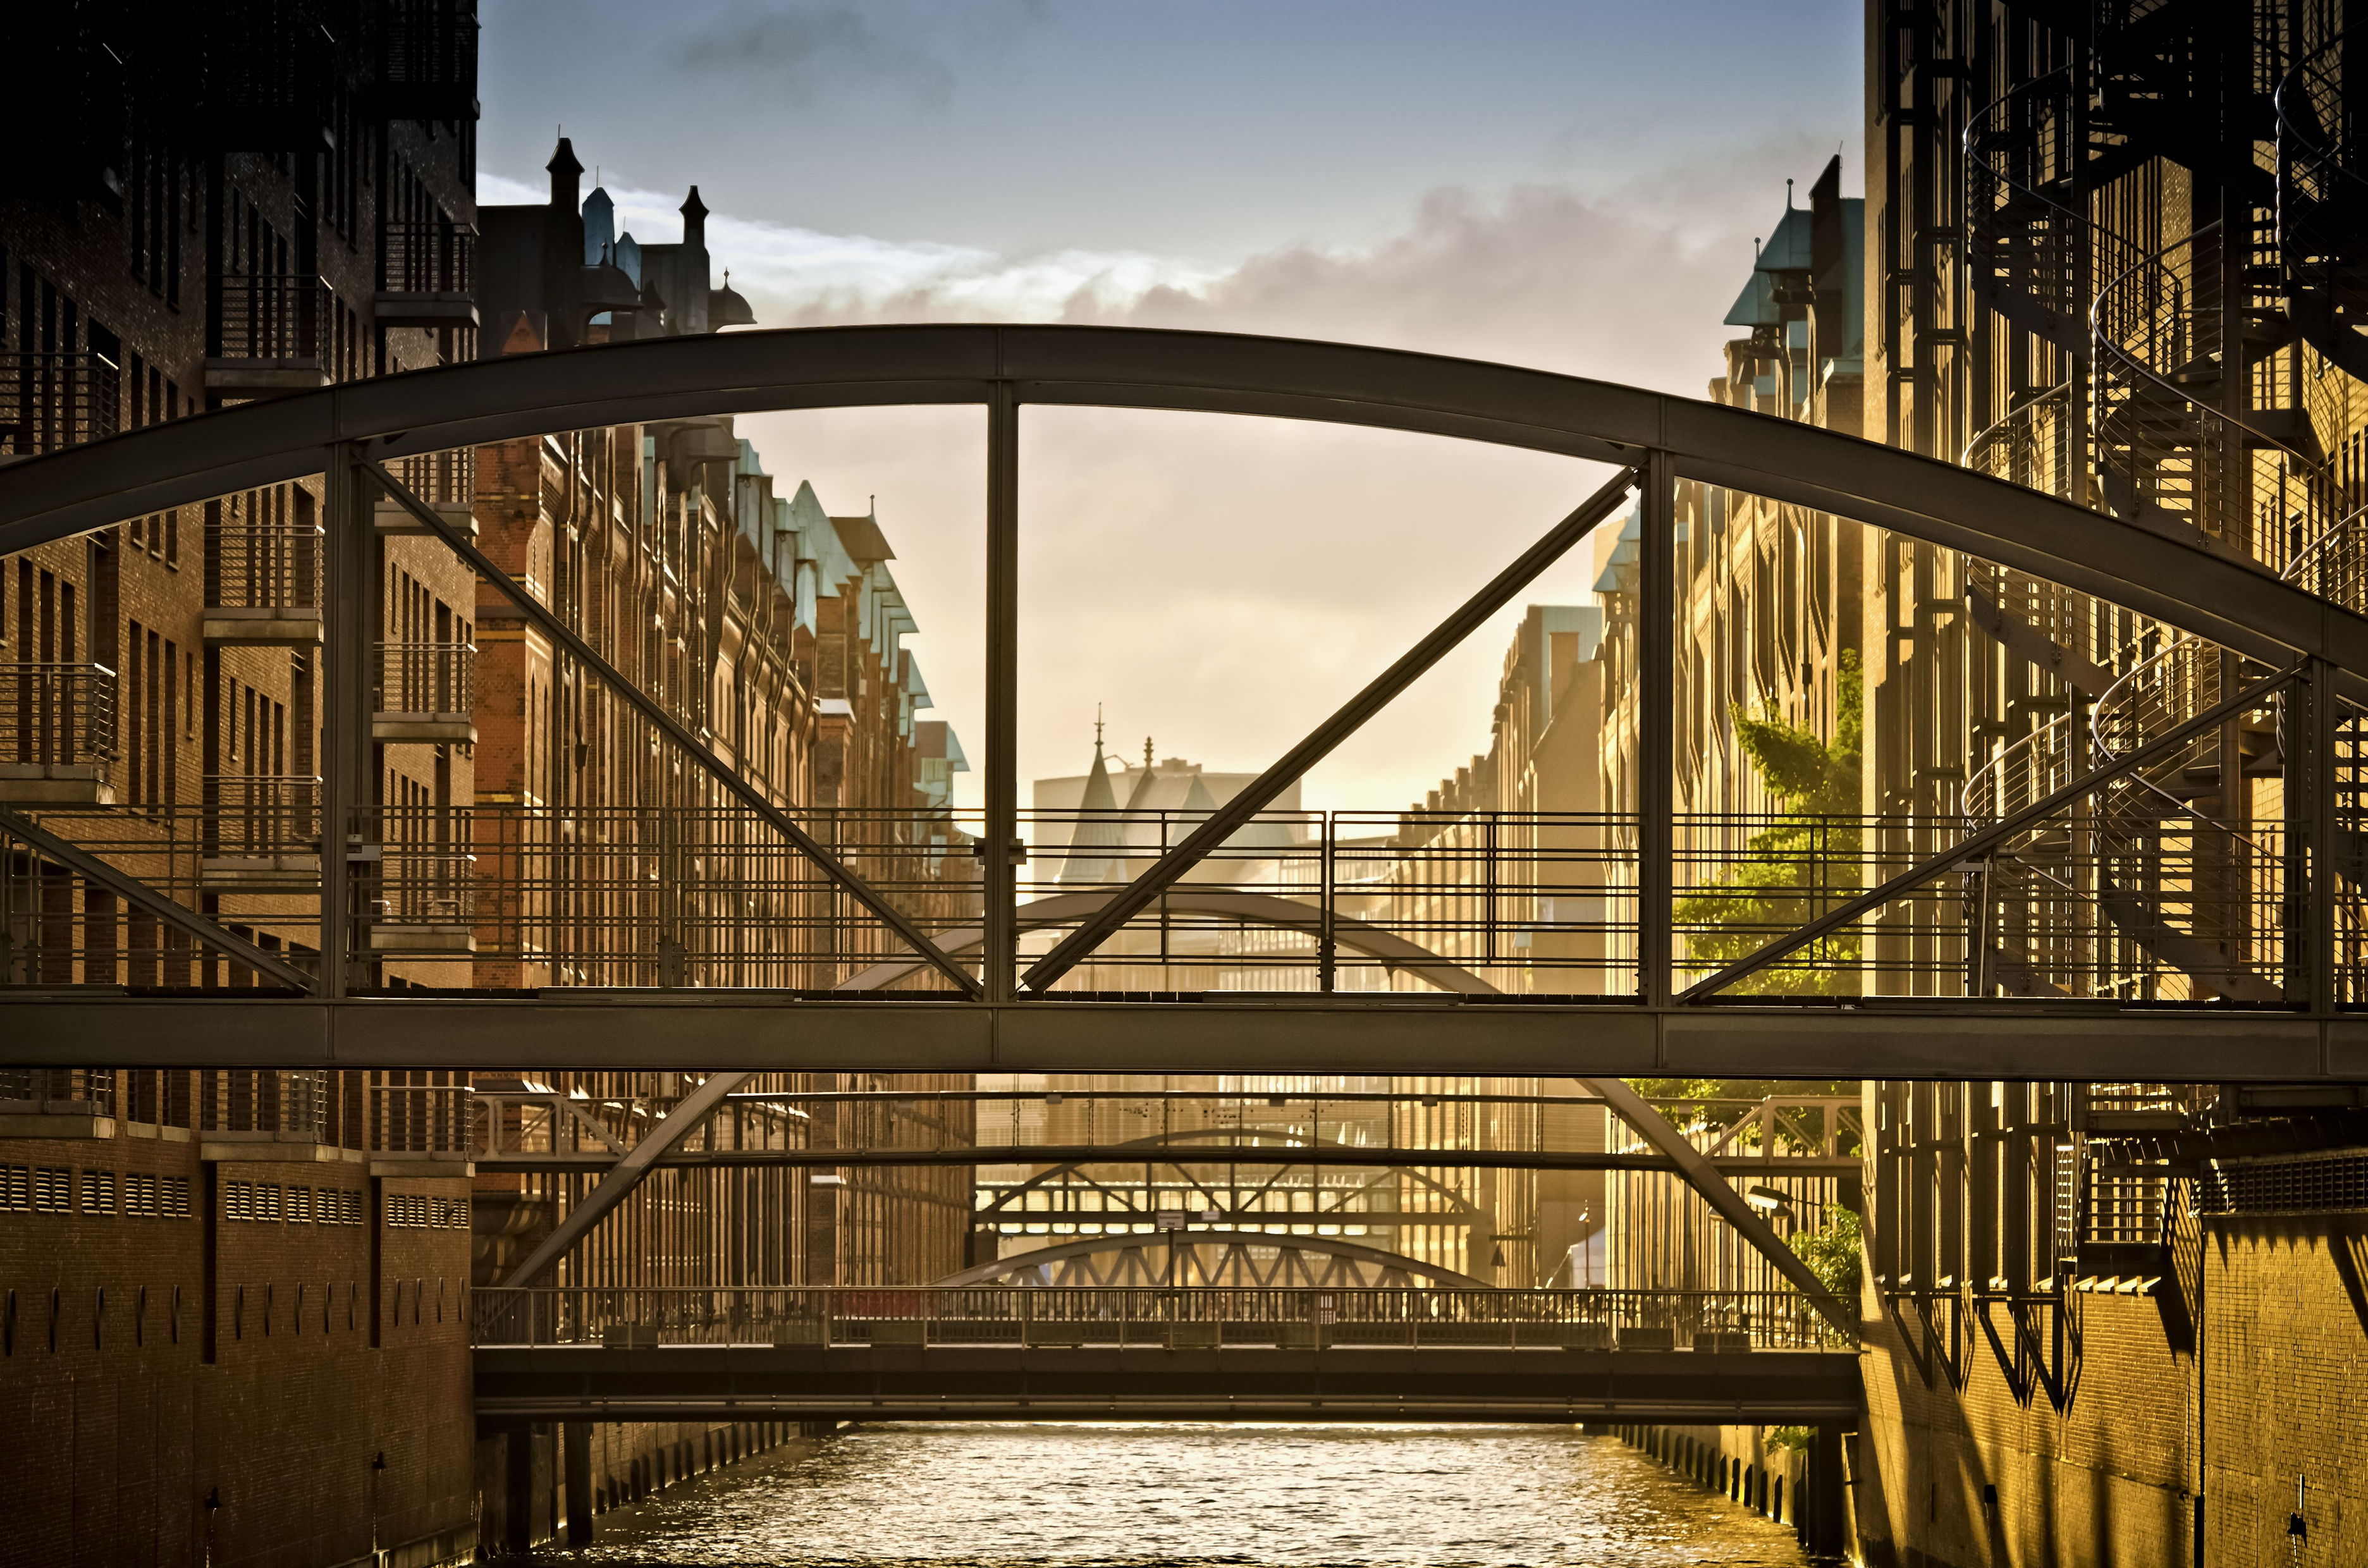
(129,1428)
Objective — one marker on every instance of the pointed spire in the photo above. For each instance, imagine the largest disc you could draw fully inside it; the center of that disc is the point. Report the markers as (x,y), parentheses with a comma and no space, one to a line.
(566,176)
(1147,754)
(694,223)
(1092,855)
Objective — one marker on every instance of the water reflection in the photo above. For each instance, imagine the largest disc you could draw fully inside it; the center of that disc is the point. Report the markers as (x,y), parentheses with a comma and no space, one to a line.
(982,1495)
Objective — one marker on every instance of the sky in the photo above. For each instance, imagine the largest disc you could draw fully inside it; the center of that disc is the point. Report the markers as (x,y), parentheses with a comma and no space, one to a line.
(1573,186)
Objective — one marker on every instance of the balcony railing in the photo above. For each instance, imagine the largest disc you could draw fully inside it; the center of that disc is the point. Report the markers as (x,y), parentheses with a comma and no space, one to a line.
(55,715)
(260,815)
(271,316)
(85,1090)
(48,401)
(426,258)
(426,677)
(420,1119)
(427,59)
(268,1104)
(263,566)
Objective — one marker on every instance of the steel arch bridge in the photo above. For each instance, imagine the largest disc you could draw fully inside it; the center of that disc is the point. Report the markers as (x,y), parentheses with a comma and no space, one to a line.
(1691,1165)
(1213,1257)
(1002,1018)
(1175,1151)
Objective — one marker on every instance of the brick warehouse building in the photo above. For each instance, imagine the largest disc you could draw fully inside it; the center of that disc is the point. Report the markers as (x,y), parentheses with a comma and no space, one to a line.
(241,1299)
(2109,254)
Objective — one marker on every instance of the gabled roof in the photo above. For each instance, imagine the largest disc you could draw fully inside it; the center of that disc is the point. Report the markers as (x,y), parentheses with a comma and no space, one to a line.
(1787,250)
(863,540)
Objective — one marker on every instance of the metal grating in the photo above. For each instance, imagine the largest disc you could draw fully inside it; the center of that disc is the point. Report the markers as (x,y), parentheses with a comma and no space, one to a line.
(2276,1186)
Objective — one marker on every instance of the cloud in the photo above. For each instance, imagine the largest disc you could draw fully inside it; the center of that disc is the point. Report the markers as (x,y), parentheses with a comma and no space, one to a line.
(803,278)
(812,50)
(1628,285)
(1224,582)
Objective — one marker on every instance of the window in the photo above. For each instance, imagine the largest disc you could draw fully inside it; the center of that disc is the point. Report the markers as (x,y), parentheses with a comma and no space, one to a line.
(16,1189)
(176,1196)
(52,1190)
(238,1200)
(142,1195)
(300,1205)
(98,1192)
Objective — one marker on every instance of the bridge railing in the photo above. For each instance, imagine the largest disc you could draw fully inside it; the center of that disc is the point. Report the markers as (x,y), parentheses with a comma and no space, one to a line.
(1179,1318)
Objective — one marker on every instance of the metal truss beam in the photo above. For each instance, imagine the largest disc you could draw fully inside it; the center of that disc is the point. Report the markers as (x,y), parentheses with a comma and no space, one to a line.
(1326,1246)
(625,1173)
(131,889)
(1254,796)
(2232,603)
(2039,1041)
(1260,1154)
(675,730)
(980,1382)
(1264,1098)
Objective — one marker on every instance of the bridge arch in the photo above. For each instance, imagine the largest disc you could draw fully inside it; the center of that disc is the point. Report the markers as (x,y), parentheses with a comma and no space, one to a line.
(1203,1258)
(1448,975)
(2231,602)
(1165,1149)
(1249,908)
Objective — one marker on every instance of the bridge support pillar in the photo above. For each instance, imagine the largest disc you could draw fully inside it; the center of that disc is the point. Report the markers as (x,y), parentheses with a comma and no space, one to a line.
(1827,1516)
(518,1491)
(575,1437)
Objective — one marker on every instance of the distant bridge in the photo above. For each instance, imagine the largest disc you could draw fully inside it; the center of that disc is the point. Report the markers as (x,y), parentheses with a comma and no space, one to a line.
(975,1354)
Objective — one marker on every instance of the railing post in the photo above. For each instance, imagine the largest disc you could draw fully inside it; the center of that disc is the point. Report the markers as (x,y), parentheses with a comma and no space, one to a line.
(1655,730)
(2325,737)
(347,773)
(999,916)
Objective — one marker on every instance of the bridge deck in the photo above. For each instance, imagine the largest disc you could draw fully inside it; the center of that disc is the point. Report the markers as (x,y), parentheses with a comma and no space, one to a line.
(1155,1382)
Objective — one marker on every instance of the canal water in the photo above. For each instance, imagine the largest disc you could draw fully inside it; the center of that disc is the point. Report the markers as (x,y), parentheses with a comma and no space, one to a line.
(1132,1497)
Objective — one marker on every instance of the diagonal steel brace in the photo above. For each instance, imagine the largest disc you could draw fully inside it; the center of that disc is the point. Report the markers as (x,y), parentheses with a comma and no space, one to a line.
(668,1134)
(750,796)
(1222,823)
(91,868)
(1997,833)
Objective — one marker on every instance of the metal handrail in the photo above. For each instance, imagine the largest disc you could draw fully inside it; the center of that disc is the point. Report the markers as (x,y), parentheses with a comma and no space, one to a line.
(56,713)
(1443,1317)
(53,399)
(428,678)
(271,316)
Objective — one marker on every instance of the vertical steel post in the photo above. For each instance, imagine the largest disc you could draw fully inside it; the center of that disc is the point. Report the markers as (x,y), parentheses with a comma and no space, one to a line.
(999,916)
(1656,727)
(347,773)
(1327,950)
(2325,737)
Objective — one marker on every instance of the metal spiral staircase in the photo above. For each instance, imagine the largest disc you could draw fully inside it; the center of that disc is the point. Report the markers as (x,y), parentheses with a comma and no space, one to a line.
(2181,448)
(2157,886)
(2178,880)
(2323,204)
(2031,158)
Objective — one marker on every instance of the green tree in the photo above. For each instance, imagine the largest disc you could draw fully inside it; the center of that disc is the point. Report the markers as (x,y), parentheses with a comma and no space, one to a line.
(1831,1251)
(1789,872)
(1792,870)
